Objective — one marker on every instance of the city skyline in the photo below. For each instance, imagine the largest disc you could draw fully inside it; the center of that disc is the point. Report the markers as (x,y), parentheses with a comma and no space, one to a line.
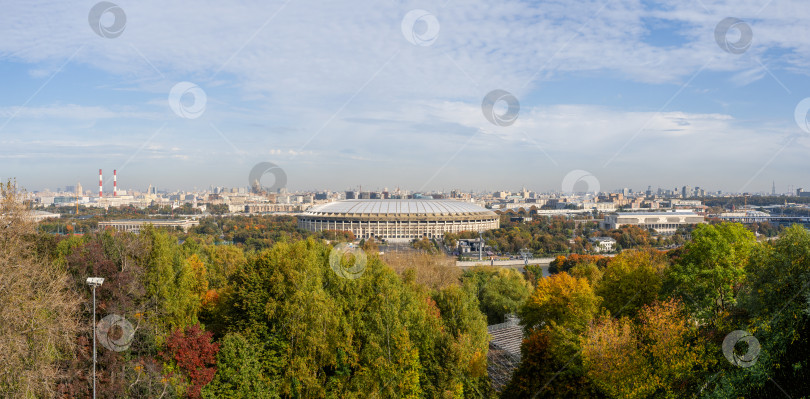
(581,187)
(190,95)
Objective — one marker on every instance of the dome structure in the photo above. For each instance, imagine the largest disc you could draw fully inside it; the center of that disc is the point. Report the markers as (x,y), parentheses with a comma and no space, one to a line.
(398,219)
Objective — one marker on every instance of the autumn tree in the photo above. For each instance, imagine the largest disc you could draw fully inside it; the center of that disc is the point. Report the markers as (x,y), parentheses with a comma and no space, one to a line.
(113,257)
(631,280)
(425,245)
(560,301)
(588,271)
(377,335)
(192,356)
(613,360)
(566,263)
(657,355)
(431,271)
(38,311)
(554,317)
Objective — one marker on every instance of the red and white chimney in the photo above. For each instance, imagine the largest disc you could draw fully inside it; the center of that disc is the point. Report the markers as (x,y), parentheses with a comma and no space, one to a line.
(115,183)
(100,189)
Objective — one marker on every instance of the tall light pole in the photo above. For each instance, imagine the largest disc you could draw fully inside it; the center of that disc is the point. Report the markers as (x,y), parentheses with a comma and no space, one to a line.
(94,282)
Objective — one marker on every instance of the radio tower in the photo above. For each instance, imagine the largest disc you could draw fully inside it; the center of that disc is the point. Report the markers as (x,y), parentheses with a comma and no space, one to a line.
(115,183)
(100,190)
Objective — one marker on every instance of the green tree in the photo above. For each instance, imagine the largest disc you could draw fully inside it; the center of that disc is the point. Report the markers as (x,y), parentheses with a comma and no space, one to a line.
(710,273)
(777,299)
(500,291)
(225,261)
(171,284)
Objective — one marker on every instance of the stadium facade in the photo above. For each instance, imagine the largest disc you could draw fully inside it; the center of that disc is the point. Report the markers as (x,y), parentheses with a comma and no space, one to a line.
(398,219)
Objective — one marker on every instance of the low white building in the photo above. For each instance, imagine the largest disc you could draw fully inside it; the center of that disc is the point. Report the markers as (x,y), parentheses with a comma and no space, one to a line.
(603,244)
(135,225)
(660,222)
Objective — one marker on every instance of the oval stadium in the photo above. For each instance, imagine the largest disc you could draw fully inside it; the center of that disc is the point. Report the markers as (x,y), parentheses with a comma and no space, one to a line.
(398,219)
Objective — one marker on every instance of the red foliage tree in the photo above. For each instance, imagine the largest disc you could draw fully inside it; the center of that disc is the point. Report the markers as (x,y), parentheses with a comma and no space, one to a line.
(195,356)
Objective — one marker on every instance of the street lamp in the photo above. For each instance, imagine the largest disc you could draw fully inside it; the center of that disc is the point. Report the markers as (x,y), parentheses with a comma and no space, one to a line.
(94,282)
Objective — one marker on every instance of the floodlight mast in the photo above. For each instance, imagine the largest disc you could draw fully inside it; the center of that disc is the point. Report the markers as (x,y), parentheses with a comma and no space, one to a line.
(94,282)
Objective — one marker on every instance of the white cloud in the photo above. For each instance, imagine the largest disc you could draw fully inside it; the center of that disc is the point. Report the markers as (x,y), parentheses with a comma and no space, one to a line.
(70,111)
(278,74)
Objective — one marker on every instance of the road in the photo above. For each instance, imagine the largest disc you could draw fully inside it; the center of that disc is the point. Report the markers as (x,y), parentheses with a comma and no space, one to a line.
(514,264)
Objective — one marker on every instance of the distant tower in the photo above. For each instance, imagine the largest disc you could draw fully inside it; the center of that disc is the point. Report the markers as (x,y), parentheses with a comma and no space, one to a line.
(773,188)
(100,190)
(115,183)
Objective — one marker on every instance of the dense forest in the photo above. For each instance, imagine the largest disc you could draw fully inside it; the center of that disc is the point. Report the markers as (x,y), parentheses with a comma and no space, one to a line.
(248,308)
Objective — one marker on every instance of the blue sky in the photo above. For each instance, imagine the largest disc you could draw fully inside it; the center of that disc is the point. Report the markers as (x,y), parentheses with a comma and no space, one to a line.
(637,93)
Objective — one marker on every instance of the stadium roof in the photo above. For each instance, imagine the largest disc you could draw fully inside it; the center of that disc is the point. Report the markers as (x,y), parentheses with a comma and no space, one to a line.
(398,207)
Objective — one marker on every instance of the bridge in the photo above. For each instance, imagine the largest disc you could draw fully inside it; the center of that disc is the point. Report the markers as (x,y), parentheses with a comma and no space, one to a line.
(775,220)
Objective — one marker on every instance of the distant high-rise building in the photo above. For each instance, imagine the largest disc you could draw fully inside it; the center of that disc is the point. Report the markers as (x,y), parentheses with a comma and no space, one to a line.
(686,192)
(351,195)
(773,188)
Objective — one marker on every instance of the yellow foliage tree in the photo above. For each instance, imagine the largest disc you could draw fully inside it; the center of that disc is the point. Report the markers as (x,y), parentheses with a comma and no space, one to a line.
(656,355)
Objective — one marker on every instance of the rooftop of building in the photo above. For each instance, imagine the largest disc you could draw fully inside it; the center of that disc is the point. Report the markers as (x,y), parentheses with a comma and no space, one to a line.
(399,207)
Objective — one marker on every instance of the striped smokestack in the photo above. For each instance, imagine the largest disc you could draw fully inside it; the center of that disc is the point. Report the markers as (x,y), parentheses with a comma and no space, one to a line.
(115,183)
(100,190)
